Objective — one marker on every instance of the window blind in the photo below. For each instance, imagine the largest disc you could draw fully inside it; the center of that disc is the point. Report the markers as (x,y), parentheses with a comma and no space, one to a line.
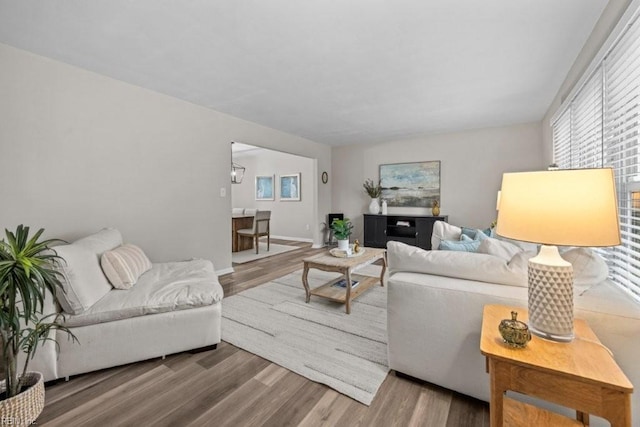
(586,124)
(622,125)
(562,140)
(604,130)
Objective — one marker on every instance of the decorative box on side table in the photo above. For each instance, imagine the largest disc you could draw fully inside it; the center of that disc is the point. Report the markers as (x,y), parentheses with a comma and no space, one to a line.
(580,374)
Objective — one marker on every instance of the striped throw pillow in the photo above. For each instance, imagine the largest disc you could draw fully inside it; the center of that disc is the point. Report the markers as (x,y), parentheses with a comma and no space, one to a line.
(124,265)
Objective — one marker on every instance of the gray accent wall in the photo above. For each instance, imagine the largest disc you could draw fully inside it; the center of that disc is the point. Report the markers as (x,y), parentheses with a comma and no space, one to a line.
(472,164)
(80,151)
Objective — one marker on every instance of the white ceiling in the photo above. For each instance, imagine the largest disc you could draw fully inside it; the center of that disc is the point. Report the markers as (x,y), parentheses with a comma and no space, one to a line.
(333,71)
(240,149)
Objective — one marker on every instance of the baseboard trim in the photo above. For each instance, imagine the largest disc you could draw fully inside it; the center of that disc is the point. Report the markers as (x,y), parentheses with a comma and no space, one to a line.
(224,271)
(295,239)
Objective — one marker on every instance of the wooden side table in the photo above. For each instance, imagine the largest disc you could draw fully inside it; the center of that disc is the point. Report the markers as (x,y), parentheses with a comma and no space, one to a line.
(581,375)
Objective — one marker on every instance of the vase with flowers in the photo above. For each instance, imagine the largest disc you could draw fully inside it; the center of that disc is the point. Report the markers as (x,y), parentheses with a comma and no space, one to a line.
(374,191)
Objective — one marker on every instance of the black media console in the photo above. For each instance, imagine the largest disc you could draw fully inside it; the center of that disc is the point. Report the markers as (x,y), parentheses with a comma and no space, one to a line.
(410,229)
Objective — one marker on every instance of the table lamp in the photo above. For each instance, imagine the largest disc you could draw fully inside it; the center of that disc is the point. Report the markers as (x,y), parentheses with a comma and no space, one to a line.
(562,207)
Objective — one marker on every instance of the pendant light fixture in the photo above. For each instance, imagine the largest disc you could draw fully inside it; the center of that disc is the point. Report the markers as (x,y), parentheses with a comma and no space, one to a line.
(237,171)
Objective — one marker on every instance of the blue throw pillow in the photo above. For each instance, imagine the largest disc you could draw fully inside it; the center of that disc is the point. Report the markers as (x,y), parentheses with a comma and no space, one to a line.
(480,235)
(462,245)
(475,234)
(469,232)
(466,238)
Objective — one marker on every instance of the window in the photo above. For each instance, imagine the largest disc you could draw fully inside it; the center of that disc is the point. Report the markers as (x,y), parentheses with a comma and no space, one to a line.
(562,140)
(600,127)
(586,124)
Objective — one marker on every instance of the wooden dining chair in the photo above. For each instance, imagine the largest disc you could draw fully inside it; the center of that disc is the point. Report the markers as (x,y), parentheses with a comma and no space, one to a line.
(261,221)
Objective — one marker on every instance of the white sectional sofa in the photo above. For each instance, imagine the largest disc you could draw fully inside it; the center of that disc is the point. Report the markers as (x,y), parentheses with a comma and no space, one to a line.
(435,303)
(173,307)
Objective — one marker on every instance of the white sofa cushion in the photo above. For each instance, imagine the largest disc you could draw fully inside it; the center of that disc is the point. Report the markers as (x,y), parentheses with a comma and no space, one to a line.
(444,231)
(525,246)
(166,287)
(104,240)
(83,281)
(463,265)
(124,265)
(588,268)
(499,248)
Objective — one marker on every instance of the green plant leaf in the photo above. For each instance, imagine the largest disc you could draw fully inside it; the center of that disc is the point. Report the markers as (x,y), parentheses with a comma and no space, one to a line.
(341,228)
(27,273)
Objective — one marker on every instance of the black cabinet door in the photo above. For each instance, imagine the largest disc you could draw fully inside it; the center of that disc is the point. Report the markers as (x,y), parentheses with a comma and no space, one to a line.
(376,228)
(375,231)
(424,228)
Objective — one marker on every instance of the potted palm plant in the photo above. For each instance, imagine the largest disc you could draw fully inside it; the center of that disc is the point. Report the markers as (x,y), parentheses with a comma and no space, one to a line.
(27,273)
(374,191)
(342,230)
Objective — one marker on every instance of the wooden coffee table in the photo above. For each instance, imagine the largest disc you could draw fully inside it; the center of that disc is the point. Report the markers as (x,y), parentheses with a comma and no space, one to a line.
(346,266)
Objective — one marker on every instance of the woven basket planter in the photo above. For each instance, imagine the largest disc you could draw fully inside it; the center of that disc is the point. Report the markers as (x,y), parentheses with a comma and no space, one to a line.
(24,408)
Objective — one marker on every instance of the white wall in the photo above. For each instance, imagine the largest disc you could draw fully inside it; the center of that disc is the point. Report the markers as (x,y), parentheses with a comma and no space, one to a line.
(81,151)
(472,164)
(288,218)
(608,20)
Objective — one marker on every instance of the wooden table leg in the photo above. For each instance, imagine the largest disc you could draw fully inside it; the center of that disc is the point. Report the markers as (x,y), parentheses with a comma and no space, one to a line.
(582,417)
(384,268)
(234,241)
(305,282)
(617,408)
(347,274)
(496,404)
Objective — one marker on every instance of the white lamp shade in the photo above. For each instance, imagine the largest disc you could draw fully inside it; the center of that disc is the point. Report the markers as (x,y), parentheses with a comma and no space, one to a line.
(575,207)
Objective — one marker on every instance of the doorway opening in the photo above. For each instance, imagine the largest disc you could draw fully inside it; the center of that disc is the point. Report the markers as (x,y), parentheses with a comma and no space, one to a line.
(284,184)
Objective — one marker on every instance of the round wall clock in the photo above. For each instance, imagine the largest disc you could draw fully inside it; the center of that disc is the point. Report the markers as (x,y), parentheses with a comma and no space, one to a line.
(325,177)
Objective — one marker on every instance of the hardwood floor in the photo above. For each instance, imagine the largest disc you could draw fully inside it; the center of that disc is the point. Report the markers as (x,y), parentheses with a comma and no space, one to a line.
(231,387)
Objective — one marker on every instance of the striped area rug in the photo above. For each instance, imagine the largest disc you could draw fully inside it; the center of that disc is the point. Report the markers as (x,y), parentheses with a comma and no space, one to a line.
(317,340)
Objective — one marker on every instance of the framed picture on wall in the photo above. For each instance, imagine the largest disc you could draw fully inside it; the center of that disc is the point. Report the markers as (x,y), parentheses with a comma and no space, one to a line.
(290,187)
(264,187)
(414,185)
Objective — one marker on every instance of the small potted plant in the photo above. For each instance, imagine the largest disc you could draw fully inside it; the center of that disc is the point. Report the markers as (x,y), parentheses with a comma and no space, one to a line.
(342,230)
(374,191)
(27,273)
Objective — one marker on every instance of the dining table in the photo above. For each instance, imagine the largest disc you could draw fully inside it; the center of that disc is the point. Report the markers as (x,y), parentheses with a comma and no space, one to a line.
(238,242)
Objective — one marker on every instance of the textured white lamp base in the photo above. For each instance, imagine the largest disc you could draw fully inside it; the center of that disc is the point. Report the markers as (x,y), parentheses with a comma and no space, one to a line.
(551,295)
